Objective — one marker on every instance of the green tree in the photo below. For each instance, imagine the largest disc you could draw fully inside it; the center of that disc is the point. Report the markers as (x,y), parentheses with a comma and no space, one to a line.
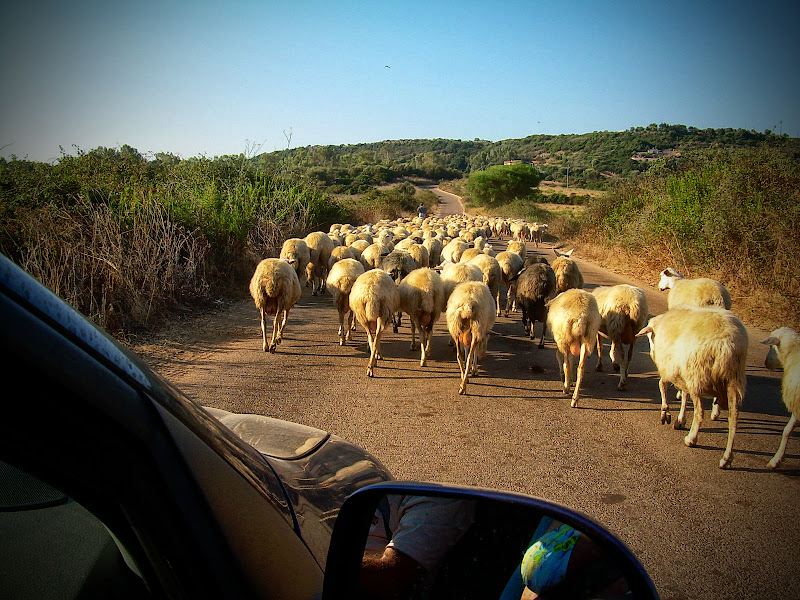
(503,183)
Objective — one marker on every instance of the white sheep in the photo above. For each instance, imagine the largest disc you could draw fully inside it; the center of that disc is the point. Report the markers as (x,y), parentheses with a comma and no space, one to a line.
(296,253)
(518,247)
(453,250)
(469,254)
(372,256)
(338,253)
(373,300)
(320,246)
(453,274)
(624,311)
(470,316)
(275,288)
(785,350)
(422,299)
(574,320)
(693,292)
(538,230)
(568,275)
(702,352)
(510,266)
(492,275)
(434,247)
(420,255)
(341,278)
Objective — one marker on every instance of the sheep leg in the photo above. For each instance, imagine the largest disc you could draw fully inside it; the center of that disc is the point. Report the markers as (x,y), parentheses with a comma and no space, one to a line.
(697,403)
(599,353)
(626,364)
(381,325)
(460,357)
(414,334)
(544,331)
(564,367)
(425,342)
(579,377)
(468,368)
(787,431)
(275,325)
(263,330)
(351,325)
(681,422)
(715,410)
(527,326)
(665,416)
(342,328)
(375,347)
(285,314)
(371,342)
(733,417)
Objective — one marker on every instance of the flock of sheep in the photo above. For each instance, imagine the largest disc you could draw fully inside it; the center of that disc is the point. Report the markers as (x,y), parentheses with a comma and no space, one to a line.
(426,267)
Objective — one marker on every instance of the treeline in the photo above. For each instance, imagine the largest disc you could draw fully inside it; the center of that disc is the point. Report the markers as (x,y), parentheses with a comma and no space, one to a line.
(129,239)
(590,160)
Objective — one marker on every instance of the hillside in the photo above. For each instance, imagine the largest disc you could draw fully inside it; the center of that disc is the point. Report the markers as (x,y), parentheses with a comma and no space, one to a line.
(590,159)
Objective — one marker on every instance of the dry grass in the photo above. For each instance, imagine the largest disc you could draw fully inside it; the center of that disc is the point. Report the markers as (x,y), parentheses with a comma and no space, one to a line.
(756,304)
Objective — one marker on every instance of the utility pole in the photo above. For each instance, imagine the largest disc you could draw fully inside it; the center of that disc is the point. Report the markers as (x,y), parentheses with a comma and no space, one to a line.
(567,177)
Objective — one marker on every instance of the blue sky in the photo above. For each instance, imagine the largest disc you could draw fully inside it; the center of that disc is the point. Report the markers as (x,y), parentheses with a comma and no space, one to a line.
(213,78)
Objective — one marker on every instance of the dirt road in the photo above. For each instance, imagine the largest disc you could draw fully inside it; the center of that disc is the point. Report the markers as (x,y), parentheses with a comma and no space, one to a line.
(701,532)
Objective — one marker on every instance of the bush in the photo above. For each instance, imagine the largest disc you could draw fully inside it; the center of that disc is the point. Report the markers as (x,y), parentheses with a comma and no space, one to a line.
(503,183)
(127,240)
(733,215)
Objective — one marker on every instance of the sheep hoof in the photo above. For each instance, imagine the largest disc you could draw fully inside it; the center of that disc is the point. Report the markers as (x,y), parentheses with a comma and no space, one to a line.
(574,403)
(616,368)
(462,390)
(623,385)
(369,373)
(773,464)
(341,342)
(599,367)
(678,425)
(541,345)
(690,443)
(725,463)
(666,418)
(273,348)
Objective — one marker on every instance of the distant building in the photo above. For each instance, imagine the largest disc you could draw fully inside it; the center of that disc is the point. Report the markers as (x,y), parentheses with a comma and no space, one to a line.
(655,154)
(515,161)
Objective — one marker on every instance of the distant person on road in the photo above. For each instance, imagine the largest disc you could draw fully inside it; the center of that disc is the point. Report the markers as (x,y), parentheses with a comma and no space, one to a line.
(422,210)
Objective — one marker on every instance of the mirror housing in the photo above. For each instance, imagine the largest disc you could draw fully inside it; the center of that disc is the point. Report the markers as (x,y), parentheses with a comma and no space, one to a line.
(511,520)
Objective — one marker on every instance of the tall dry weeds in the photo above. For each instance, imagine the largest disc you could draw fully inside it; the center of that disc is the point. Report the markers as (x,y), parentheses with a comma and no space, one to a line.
(122,272)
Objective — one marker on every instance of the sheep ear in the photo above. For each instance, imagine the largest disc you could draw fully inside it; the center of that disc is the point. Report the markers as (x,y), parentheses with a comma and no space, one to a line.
(645,331)
(771,341)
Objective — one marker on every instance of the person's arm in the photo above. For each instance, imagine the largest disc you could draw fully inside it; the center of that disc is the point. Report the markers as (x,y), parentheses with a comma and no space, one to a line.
(388,575)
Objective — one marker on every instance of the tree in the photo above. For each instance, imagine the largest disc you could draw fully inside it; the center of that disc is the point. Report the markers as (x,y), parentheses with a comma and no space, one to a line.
(503,183)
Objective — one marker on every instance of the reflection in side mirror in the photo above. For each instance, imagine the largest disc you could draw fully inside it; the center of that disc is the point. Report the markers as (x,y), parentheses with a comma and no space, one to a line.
(403,540)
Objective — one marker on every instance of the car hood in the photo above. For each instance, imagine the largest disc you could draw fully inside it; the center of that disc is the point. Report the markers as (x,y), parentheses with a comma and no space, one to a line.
(272,437)
(318,470)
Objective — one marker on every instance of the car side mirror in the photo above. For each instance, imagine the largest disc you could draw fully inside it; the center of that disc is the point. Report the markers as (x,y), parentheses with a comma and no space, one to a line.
(461,542)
